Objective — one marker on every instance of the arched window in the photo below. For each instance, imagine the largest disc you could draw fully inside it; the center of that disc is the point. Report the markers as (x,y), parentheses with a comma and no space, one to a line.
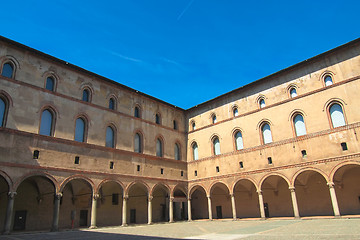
(299,125)
(238,140)
(293,92)
(137,143)
(235,112)
(214,119)
(266,133)
(137,112)
(262,103)
(7,70)
(177,151)
(157,119)
(159,147)
(80,130)
(328,80)
(50,84)
(195,151)
(216,146)
(86,95)
(3,112)
(47,122)
(175,125)
(193,125)
(337,115)
(111,104)
(110,137)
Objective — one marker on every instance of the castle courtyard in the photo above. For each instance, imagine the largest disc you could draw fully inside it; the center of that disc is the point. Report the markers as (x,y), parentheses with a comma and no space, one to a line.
(321,228)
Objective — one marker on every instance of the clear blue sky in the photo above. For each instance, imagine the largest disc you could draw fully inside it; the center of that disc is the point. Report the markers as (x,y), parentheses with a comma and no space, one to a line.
(184,52)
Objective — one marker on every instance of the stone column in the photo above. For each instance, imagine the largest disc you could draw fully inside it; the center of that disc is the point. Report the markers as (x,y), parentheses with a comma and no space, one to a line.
(233,206)
(9,212)
(189,209)
(209,207)
(124,211)
(334,199)
(261,204)
(150,210)
(171,211)
(294,202)
(93,210)
(55,223)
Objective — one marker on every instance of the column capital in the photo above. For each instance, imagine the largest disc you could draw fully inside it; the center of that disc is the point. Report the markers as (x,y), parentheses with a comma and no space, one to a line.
(189,198)
(171,199)
(259,192)
(231,194)
(96,196)
(292,189)
(126,197)
(208,196)
(331,184)
(12,194)
(150,198)
(58,195)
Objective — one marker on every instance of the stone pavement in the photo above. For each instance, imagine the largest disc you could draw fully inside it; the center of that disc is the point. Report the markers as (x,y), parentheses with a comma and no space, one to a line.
(218,229)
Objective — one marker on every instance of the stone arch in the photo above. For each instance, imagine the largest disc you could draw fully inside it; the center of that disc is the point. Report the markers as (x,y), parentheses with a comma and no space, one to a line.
(159,184)
(34,174)
(338,166)
(292,182)
(276,195)
(245,192)
(110,180)
(272,174)
(248,179)
(220,200)
(346,178)
(212,185)
(81,177)
(199,202)
(194,187)
(8,180)
(312,192)
(128,187)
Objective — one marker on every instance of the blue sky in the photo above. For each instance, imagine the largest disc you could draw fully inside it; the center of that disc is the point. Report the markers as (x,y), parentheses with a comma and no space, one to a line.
(184,52)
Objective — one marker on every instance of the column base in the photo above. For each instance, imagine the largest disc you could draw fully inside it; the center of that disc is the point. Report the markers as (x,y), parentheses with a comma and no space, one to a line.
(56,229)
(149,223)
(189,220)
(93,227)
(124,225)
(6,233)
(234,219)
(262,218)
(297,218)
(171,221)
(337,216)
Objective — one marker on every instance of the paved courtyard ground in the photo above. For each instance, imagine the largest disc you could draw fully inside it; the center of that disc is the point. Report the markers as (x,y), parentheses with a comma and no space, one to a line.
(218,229)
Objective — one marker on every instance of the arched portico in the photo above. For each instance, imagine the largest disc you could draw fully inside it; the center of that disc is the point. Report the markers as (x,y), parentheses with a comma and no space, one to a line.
(220,201)
(276,196)
(346,179)
(4,199)
(137,204)
(160,203)
(312,192)
(77,201)
(110,203)
(246,199)
(33,203)
(199,203)
(180,211)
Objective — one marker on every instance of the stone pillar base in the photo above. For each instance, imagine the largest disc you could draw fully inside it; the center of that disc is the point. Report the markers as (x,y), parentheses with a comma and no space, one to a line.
(93,227)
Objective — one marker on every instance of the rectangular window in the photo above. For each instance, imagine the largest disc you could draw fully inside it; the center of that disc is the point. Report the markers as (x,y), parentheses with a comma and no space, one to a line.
(303,153)
(195,173)
(111,165)
(344,146)
(115,199)
(162,171)
(269,160)
(217,169)
(36,154)
(182,173)
(77,160)
(138,168)
(241,164)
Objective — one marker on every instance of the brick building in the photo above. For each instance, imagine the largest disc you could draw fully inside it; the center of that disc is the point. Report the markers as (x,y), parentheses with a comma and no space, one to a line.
(78,149)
